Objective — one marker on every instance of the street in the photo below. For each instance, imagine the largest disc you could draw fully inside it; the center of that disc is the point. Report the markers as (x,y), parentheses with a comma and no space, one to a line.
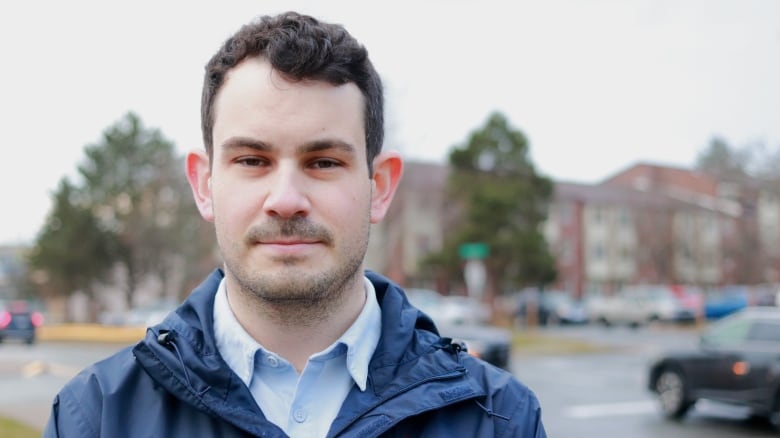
(595,395)
(31,375)
(583,395)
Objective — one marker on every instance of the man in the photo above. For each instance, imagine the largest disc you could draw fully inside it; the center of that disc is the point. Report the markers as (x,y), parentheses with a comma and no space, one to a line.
(292,337)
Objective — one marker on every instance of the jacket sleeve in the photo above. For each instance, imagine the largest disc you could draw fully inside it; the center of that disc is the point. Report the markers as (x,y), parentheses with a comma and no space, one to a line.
(68,418)
(528,419)
(517,406)
(533,426)
(52,429)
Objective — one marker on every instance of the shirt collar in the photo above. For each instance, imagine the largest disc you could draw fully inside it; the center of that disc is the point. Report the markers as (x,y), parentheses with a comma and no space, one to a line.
(238,348)
(362,337)
(233,342)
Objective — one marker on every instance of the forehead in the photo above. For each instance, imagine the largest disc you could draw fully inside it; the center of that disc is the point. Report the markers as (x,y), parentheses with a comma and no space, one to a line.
(256,101)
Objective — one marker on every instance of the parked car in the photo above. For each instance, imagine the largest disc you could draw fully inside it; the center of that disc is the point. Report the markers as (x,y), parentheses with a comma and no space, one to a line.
(152,314)
(489,343)
(465,320)
(552,307)
(737,362)
(766,294)
(143,316)
(19,321)
(725,301)
(449,309)
(643,304)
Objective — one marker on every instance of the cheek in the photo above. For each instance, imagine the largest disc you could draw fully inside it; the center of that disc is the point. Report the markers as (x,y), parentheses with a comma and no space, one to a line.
(362,198)
(344,206)
(233,206)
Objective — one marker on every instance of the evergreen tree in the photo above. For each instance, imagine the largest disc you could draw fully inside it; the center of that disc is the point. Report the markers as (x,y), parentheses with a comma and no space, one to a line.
(72,251)
(132,218)
(498,199)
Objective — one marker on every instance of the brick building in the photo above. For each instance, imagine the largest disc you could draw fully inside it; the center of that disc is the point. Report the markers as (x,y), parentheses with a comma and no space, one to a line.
(645,224)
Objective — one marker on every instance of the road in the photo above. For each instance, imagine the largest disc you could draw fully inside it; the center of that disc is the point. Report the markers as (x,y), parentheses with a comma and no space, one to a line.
(31,375)
(596,395)
(584,395)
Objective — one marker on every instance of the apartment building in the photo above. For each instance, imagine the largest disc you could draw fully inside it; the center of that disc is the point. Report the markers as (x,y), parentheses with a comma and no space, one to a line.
(647,223)
(605,237)
(414,224)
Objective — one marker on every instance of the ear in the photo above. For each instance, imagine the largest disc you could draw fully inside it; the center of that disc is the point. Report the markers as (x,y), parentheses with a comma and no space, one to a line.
(199,176)
(388,168)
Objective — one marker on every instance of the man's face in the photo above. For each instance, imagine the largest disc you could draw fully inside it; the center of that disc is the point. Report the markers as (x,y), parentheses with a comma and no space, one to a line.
(289,186)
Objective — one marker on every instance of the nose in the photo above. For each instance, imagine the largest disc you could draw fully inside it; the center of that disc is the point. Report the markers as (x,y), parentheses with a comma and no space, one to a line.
(287,196)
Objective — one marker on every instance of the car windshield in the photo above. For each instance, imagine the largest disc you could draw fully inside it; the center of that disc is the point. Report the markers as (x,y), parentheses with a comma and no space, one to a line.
(765,331)
(730,331)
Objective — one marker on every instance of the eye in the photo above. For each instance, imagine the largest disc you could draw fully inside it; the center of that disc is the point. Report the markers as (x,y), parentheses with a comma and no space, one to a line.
(325,163)
(252,161)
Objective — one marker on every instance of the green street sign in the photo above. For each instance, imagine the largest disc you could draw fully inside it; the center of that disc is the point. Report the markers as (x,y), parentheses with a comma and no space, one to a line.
(473,250)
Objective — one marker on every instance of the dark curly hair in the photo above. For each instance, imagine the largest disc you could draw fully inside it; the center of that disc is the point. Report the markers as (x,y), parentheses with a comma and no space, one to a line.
(299,47)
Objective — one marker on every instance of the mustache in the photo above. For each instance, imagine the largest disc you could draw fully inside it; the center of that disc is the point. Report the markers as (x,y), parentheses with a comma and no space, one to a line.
(298,227)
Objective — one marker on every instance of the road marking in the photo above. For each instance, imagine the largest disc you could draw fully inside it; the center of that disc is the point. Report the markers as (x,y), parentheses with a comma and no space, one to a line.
(39,367)
(62,370)
(34,368)
(611,409)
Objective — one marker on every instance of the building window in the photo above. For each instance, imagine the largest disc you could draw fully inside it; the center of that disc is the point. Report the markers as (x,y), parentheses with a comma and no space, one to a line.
(598,215)
(598,251)
(424,244)
(625,217)
(565,213)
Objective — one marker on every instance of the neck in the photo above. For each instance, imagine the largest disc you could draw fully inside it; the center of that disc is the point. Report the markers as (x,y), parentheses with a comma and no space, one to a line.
(296,330)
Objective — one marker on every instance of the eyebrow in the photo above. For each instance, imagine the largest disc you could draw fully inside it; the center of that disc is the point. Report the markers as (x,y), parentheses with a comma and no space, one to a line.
(308,147)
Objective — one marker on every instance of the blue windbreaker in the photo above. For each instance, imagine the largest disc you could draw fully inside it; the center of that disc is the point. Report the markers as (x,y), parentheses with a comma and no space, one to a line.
(174,383)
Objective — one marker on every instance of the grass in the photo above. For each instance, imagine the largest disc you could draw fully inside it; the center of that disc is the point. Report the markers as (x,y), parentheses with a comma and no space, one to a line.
(90,333)
(531,342)
(13,429)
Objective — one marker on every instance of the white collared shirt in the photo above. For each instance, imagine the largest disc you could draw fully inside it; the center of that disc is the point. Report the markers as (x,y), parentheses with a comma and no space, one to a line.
(305,405)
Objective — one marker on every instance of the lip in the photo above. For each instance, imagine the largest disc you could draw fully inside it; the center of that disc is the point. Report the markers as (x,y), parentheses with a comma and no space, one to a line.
(284,242)
(292,247)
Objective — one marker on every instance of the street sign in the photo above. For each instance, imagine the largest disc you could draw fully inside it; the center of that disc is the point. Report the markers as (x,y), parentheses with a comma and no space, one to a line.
(474,250)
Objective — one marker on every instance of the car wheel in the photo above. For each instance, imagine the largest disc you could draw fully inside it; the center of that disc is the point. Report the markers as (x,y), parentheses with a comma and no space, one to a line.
(672,396)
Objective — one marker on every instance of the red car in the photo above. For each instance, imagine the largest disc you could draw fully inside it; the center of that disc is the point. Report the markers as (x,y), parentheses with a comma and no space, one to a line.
(19,321)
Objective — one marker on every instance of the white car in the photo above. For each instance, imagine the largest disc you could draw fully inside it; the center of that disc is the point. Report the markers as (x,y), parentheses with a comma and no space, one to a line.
(449,309)
(639,305)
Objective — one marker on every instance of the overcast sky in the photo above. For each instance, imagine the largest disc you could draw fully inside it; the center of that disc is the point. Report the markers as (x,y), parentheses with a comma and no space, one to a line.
(595,85)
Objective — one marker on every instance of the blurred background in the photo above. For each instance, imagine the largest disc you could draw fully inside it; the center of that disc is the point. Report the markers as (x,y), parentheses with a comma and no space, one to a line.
(587,184)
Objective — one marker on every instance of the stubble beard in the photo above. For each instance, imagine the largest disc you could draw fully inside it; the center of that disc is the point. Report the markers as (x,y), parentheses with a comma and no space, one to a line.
(295,295)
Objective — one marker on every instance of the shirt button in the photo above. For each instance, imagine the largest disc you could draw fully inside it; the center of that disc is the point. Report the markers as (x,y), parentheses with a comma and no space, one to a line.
(300,415)
(272,361)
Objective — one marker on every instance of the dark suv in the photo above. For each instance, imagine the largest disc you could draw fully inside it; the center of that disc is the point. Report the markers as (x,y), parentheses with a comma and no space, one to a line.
(18,321)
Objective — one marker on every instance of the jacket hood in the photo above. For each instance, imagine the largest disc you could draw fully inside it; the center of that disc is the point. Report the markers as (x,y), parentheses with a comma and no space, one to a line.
(180,355)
